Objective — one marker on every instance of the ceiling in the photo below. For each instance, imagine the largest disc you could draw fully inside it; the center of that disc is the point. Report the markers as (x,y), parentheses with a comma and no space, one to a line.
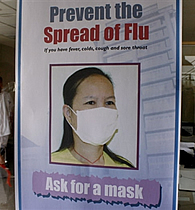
(8,22)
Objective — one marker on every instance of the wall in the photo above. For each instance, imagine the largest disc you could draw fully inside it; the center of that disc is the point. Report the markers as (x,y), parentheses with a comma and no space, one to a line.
(7,64)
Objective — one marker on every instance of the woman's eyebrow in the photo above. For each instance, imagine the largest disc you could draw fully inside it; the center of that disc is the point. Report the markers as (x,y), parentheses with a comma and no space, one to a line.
(89,97)
(111,97)
(93,97)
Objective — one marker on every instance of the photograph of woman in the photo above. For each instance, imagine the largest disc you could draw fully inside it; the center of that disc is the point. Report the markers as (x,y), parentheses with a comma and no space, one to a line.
(90,121)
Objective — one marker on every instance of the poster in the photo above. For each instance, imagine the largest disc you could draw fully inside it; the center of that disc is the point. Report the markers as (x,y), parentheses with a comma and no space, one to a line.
(98,104)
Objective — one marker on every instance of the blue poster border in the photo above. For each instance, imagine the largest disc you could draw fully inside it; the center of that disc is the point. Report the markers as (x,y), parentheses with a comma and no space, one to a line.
(178,99)
(18,79)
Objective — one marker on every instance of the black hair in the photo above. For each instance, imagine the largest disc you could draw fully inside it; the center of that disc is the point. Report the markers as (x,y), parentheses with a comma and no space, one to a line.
(69,92)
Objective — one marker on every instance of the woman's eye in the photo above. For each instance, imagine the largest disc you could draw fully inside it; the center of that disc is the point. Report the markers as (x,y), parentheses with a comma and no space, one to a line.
(110,103)
(90,102)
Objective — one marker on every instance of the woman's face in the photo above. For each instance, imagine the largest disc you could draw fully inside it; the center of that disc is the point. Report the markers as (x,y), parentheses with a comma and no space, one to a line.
(95,91)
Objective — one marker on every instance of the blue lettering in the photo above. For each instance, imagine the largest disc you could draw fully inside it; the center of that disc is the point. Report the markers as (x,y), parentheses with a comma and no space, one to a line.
(137,10)
(53,12)
(70,14)
(89,13)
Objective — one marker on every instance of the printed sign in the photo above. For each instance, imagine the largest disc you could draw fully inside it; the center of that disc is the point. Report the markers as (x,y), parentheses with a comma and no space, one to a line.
(97,104)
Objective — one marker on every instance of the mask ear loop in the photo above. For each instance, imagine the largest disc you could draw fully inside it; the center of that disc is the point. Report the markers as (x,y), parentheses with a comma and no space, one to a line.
(68,120)
(72,110)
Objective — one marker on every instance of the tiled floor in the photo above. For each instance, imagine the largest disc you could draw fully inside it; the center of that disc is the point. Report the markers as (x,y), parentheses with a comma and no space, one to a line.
(7,194)
(186,200)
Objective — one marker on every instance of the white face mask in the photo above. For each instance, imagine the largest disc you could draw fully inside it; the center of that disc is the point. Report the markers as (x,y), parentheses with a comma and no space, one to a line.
(96,126)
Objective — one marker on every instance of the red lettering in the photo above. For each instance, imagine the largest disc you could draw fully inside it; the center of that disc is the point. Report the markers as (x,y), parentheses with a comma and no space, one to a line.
(117,28)
(66,32)
(143,32)
(74,35)
(48,38)
(135,31)
(127,30)
(95,33)
(57,36)
(85,35)
(108,33)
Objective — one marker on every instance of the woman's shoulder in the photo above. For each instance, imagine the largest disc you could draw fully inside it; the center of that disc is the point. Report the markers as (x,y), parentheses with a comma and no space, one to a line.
(63,156)
(110,162)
